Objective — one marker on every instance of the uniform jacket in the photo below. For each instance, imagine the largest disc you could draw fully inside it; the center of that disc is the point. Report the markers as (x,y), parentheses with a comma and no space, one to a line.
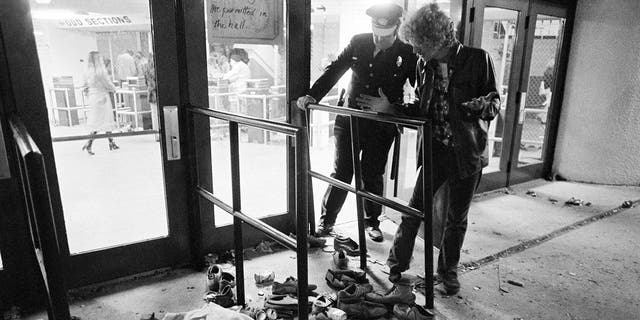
(473,77)
(388,70)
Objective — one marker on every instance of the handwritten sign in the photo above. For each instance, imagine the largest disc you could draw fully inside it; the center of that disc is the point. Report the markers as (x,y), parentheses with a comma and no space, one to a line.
(243,20)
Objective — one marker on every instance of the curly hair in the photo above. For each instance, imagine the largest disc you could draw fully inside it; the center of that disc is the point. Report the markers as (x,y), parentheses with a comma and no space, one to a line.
(428,27)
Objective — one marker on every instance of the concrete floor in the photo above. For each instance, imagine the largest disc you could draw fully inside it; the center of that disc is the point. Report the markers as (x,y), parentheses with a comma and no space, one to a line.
(574,262)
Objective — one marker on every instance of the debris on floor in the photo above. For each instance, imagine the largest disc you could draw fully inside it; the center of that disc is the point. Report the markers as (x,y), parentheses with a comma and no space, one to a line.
(532,193)
(264,247)
(577,202)
(627,204)
(553,201)
(515,283)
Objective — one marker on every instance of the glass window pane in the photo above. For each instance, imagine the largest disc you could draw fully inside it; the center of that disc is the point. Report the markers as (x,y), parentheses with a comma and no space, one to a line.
(542,74)
(498,39)
(99,77)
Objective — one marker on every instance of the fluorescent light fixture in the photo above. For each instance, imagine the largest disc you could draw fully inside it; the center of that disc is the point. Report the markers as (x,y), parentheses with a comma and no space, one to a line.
(52,14)
(43,1)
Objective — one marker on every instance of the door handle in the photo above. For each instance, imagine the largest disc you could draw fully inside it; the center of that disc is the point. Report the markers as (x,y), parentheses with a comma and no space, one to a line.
(523,102)
(172,132)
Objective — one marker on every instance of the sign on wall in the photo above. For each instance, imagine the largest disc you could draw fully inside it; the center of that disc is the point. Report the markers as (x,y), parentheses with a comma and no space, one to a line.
(247,21)
(103,22)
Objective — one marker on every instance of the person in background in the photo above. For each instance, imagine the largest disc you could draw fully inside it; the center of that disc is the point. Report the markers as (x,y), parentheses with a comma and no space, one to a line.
(125,66)
(546,85)
(140,61)
(381,65)
(457,91)
(239,73)
(152,92)
(99,89)
(107,65)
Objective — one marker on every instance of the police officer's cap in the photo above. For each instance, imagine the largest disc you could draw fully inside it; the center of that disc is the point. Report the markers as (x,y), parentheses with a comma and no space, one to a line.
(385,17)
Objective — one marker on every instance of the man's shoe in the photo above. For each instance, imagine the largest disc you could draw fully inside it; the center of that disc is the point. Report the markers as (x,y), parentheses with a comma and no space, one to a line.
(224,298)
(451,284)
(340,279)
(324,229)
(290,286)
(363,309)
(347,244)
(411,312)
(375,234)
(400,293)
(354,292)
(340,259)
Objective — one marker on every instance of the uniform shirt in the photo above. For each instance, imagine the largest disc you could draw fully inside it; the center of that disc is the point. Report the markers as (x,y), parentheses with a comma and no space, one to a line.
(389,70)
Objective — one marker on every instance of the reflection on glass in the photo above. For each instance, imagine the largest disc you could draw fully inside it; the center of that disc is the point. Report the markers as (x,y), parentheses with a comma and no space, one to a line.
(542,74)
(498,39)
(98,74)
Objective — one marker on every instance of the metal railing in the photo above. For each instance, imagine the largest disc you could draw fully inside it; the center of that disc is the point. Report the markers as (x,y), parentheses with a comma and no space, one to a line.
(424,129)
(299,202)
(44,237)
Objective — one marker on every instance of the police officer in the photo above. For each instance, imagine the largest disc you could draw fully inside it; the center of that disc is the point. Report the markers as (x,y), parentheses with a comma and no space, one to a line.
(381,65)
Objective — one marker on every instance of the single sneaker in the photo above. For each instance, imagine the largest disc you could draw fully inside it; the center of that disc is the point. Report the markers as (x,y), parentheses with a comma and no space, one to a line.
(224,298)
(400,293)
(363,309)
(354,292)
(347,244)
(375,234)
(340,259)
(214,274)
(411,312)
(290,286)
(324,229)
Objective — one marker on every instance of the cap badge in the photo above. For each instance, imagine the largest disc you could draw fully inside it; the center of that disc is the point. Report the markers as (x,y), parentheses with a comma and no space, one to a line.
(382,21)
(399,61)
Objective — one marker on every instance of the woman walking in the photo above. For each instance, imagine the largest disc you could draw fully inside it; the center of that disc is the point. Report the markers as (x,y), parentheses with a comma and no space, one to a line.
(99,87)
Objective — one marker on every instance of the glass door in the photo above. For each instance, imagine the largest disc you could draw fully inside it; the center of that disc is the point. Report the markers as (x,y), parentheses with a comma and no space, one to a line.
(534,134)
(239,63)
(499,28)
(122,199)
(524,38)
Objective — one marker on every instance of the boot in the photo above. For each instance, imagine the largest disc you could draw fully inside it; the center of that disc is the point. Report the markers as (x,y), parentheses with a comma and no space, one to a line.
(112,144)
(87,146)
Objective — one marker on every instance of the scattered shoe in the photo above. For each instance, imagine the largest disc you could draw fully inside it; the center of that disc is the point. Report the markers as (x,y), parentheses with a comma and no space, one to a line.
(394,277)
(400,293)
(324,229)
(224,298)
(214,274)
(363,309)
(347,244)
(290,286)
(340,279)
(266,277)
(411,312)
(340,259)
(451,284)
(354,292)
(375,234)
(315,242)
(284,302)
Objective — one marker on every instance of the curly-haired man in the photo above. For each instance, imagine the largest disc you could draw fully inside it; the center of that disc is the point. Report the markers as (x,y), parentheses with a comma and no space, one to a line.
(457,92)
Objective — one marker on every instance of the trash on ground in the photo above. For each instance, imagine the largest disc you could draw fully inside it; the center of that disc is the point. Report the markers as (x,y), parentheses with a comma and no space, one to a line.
(504,290)
(264,247)
(627,204)
(532,193)
(552,200)
(577,202)
(515,283)
(476,288)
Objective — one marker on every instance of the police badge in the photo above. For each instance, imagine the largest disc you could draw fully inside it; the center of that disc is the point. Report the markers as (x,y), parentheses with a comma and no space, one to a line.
(399,61)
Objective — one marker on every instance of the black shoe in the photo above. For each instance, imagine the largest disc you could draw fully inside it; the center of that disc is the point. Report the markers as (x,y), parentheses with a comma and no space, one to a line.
(347,244)
(324,229)
(113,145)
(451,284)
(394,277)
(375,234)
(87,147)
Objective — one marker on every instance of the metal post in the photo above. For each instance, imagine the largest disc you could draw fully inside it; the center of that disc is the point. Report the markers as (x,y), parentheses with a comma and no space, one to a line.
(302,225)
(237,222)
(357,175)
(427,203)
(311,217)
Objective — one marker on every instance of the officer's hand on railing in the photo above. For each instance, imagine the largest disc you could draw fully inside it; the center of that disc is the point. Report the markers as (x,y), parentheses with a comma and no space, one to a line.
(376,104)
(304,101)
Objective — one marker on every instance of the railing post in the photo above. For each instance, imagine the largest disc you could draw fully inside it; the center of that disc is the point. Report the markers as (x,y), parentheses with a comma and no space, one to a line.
(234,142)
(302,224)
(357,175)
(427,203)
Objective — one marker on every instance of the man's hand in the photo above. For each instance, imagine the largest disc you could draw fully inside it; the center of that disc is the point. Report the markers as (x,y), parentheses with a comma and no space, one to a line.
(304,101)
(377,104)
(480,103)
